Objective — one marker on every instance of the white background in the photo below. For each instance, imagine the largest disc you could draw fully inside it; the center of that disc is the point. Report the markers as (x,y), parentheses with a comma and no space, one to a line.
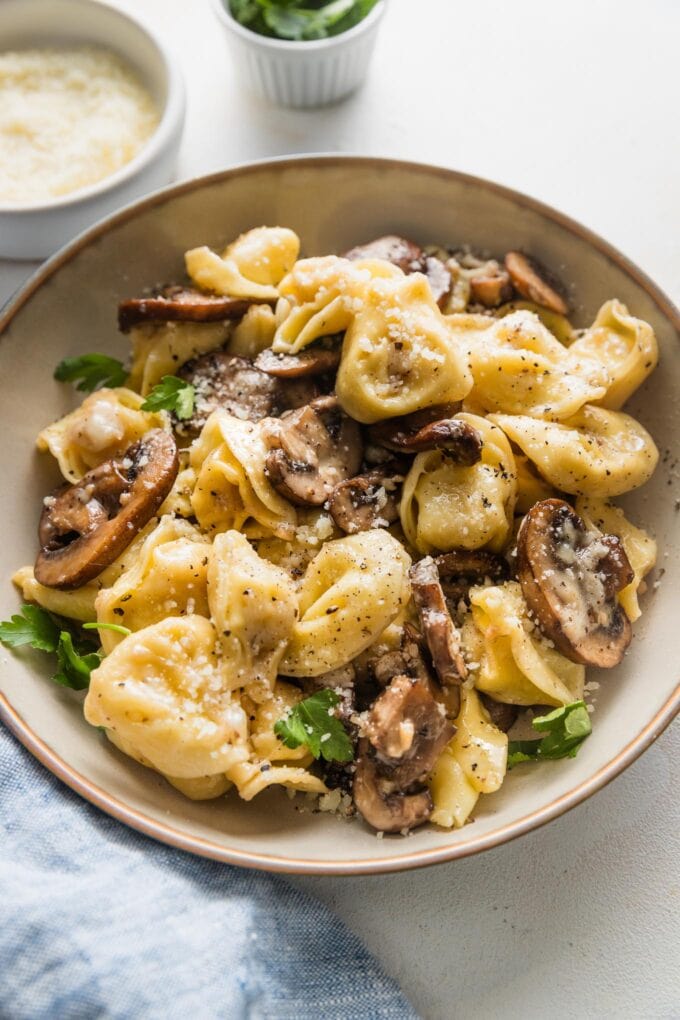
(576,103)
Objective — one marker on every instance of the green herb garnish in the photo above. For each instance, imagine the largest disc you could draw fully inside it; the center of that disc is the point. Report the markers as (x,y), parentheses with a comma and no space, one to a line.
(566,728)
(171,394)
(91,371)
(36,627)
(300,20)
(116,627)
(312,722)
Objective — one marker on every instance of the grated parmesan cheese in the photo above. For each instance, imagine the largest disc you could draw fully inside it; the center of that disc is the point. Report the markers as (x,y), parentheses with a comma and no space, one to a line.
(68,118)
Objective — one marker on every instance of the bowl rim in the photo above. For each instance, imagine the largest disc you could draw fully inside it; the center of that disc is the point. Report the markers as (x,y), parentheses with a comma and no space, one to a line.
(273,43)
(172,116)
(171,836)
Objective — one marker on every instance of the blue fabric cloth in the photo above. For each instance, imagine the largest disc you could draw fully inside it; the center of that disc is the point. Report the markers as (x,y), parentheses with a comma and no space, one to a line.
(99,921)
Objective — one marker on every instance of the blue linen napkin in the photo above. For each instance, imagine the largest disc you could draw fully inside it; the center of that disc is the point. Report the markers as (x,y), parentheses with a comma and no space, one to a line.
(99,921)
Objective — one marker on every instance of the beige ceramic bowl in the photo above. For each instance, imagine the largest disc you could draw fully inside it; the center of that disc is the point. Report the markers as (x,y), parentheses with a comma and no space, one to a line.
(332,202)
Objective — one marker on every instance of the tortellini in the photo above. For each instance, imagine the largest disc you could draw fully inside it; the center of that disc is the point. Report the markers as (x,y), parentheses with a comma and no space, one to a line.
(597,452)
(511,661)
(399,354)
(161,690)
(520,368)
(473,762)
(160,349)
(640,547)
(232,490)
(253,607)
(254,333)
(446,505)
(250,267)
(104,426)
(167,577)
(625,345)
(351,592)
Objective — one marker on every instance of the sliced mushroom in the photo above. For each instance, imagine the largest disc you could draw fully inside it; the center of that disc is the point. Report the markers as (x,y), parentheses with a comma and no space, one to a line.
(460,569)
(531,280)
(401,252)
(311,450)
(438,628)
(176,303)
(385,808)
(410,258)
(570,578)
(502,715)
(490,285)
(407,660)
(230,382)
(407,728)
(313,361)
(420,431)
(369,500)
(85,527)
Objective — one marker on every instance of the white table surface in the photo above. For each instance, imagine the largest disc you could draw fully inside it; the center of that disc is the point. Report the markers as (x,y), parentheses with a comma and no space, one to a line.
(576,104)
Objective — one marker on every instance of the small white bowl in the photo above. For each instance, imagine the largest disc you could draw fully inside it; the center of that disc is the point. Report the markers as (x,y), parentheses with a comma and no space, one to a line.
(300,74)
(37,230)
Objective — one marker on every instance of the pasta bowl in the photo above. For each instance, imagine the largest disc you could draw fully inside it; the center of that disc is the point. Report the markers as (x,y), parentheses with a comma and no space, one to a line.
(332,203)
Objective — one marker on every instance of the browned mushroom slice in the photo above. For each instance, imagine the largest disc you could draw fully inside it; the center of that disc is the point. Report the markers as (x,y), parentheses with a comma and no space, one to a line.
(86,526)
(407,660)
(313,361)
(438,628)
(408,729)
(570,577)
(401,252)
(175,303)
(369,500)
(311,450)
(531,280)
(491,285)
(230,382)
(460,569)
(420,431)
(502,715)
(386,808)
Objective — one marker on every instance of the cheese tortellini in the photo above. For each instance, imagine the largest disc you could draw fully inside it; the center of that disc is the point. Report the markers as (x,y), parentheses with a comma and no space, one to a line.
(160,349)
(250,267)
(232,490)
(104,426)
(512,662)
(596,452)
(446,505)
(351,592)
(161,690)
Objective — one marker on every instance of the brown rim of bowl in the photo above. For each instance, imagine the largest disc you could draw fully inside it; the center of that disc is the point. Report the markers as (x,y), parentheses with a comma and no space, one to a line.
(365,866)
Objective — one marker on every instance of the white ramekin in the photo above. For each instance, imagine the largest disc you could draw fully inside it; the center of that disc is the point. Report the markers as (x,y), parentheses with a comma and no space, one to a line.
(35,231)
(301,74)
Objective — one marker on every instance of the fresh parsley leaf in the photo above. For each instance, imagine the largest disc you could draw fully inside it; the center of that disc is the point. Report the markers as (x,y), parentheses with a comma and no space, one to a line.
(302,20)
(90,371)
(566,728)
(311,722)
(74,666)
(33,626)
(39,629)
(171,394)
(116,627)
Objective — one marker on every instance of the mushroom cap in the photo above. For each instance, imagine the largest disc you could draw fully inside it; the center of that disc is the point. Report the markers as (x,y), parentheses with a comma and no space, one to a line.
(367,501)
(311,361)
(460,569)
(311,450)
(230,382)
(177,303)
(408,729)
(438,628)
(85,527)
(385,808)
(432,429)
(532,281)
(491,285)
(570,578)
